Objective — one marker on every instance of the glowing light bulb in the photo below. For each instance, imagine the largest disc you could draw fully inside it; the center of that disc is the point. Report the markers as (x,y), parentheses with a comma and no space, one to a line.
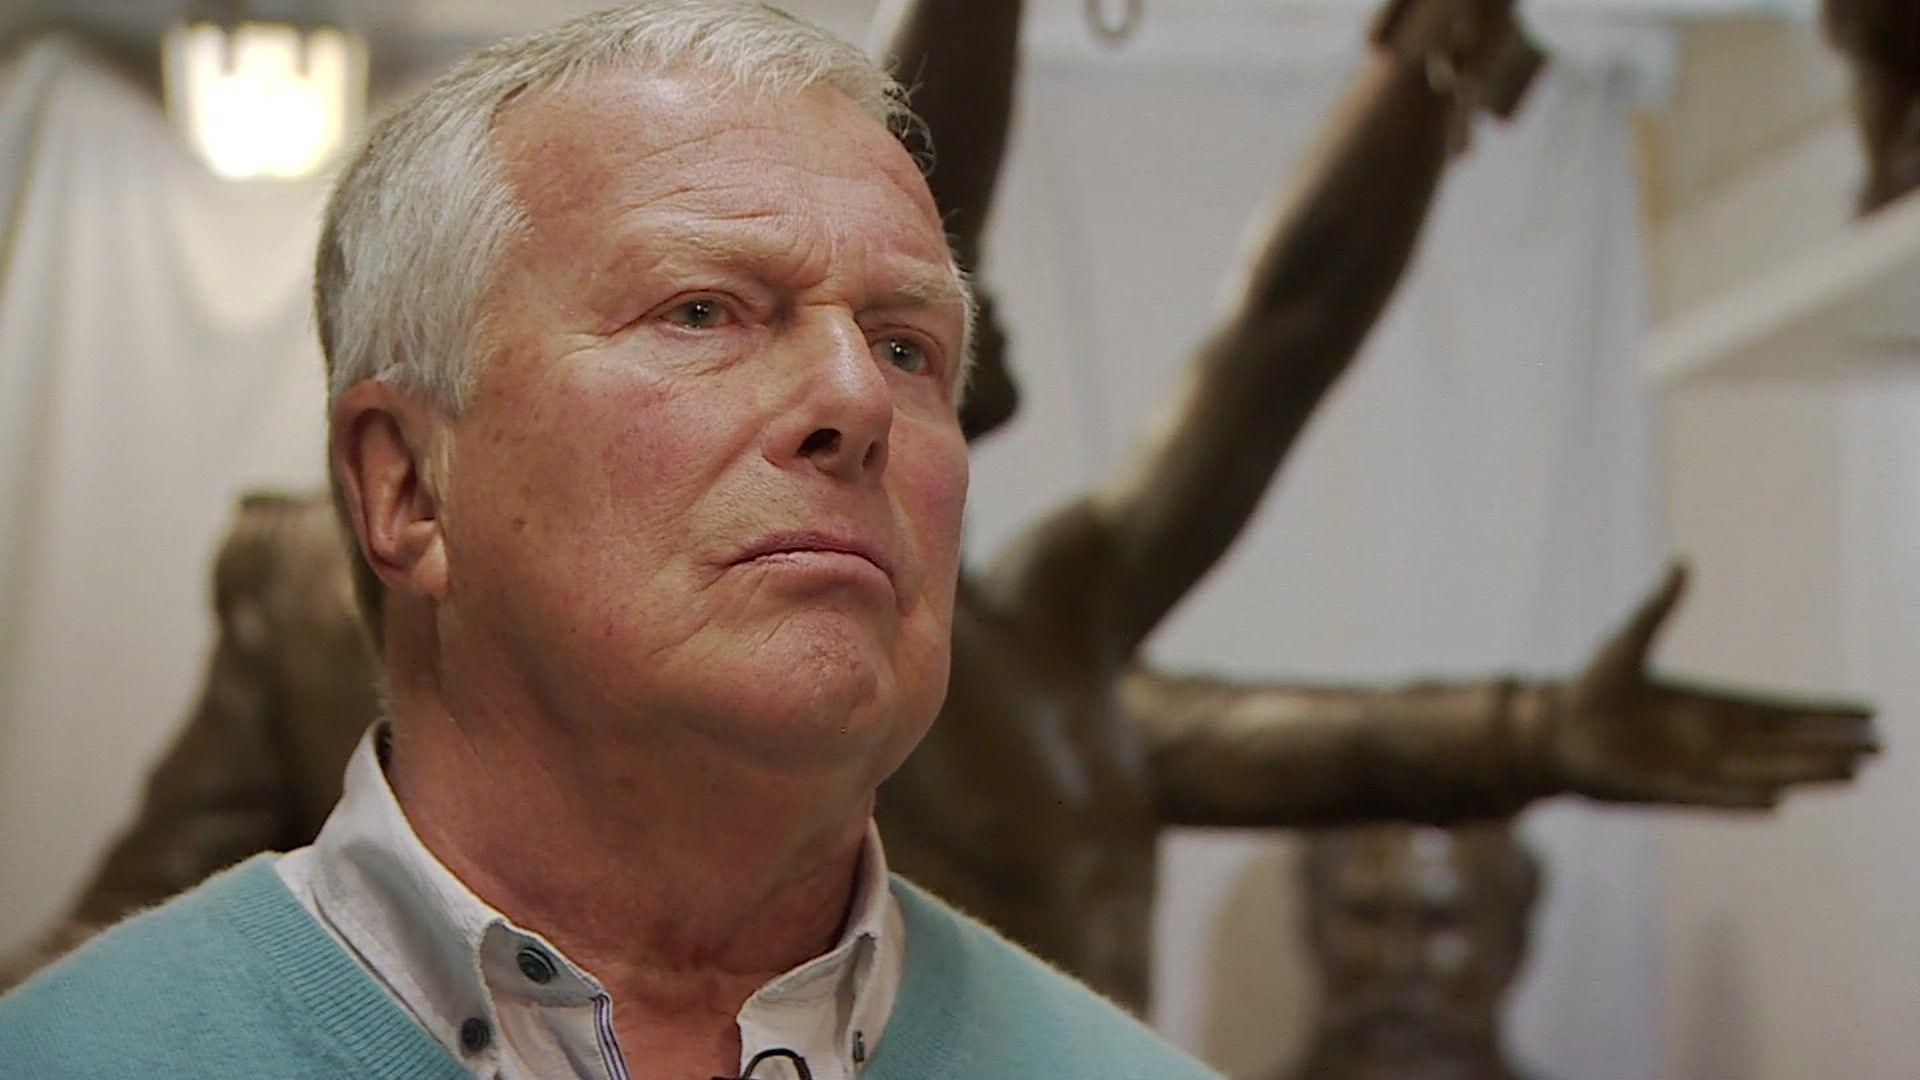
(264,99)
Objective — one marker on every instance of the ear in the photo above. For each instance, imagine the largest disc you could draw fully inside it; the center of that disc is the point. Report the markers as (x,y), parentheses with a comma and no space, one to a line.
(381,439)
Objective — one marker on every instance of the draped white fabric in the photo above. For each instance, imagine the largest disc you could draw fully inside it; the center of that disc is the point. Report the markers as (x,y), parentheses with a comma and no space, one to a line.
(1475,497)
(155,360)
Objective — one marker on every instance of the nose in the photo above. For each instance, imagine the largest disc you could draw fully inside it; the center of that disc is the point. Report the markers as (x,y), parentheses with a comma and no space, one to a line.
(841,410)
(1402,952)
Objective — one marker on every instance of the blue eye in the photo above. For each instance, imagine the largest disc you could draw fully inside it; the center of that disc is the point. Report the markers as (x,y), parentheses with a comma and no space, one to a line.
(700,314)
(904,355)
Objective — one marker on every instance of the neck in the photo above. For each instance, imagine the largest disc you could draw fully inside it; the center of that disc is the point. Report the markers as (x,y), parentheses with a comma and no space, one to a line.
(681,876)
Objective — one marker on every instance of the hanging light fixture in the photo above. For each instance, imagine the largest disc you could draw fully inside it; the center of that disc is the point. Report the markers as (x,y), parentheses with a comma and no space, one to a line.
(1116,27)
(264,99)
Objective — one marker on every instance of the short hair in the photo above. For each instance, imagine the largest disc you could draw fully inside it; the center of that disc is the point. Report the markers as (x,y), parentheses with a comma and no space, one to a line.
(422,215)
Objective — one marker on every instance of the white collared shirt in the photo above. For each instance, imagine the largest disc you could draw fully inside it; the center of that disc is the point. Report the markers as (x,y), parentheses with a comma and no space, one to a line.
(510,1006)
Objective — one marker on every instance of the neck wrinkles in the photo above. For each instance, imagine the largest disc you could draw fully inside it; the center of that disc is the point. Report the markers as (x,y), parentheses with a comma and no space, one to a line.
(683,879)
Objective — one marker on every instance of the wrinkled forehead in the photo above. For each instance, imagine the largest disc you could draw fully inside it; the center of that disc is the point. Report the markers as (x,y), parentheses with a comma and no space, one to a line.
(621,139)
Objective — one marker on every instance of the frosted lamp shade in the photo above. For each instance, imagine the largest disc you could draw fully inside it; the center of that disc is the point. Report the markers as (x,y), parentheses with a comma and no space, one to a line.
(262,99)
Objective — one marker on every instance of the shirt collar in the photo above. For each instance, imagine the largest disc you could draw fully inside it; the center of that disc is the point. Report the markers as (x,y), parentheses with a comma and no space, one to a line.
(444,951)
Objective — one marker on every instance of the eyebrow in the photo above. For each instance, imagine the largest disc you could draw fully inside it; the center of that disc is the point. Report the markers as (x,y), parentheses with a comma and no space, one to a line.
(927,288)
(923,285)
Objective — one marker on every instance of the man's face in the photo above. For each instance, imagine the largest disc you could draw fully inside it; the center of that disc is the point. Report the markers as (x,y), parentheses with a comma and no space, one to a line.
(711,481)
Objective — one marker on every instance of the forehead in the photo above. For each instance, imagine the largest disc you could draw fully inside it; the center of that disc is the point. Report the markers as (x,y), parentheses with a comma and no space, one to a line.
(626,143)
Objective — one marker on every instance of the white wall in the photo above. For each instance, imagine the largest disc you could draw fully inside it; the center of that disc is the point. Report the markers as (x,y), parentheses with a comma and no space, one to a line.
(156,360)
(1789,946)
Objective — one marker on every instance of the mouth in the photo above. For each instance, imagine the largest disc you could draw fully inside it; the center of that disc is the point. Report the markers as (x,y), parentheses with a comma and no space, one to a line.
(815,548)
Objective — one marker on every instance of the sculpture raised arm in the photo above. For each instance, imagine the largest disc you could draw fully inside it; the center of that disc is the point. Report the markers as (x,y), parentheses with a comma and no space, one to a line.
(958,59)
(1327,257)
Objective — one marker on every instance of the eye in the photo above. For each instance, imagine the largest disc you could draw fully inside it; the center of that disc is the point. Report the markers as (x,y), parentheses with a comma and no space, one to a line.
(700,313)
(903,354)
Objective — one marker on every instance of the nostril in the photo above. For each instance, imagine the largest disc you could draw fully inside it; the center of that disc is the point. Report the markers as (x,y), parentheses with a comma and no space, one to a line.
(823,440)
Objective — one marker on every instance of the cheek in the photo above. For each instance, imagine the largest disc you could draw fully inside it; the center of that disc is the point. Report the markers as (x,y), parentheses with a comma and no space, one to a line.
(625,448)
(935,496)
(587,481)
(651,450)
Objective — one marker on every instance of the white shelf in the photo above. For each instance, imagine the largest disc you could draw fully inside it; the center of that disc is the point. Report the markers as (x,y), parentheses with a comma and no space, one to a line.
(1854,300)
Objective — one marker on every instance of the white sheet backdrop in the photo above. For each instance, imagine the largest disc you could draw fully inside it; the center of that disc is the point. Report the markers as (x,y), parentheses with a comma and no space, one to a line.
(155,360)
(1475,497)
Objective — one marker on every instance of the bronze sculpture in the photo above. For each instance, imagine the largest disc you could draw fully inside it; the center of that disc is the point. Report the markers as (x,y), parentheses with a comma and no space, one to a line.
(1417,933)
(1881,40)
(1037,800)
(1067,790)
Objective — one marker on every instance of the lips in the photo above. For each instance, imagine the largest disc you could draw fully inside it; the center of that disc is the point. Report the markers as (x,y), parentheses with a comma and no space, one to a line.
(806,542)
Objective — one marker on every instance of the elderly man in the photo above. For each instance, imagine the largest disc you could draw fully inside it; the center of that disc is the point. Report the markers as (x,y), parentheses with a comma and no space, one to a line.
(645,344)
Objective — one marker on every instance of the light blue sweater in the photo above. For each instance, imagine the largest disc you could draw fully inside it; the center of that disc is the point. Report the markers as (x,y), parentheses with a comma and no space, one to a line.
(235,979)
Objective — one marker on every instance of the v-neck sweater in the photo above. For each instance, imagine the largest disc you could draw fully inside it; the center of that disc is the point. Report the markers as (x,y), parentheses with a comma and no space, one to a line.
(235,979)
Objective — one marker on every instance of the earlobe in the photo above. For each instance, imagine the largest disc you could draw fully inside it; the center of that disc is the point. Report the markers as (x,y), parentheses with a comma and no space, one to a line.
(382,442)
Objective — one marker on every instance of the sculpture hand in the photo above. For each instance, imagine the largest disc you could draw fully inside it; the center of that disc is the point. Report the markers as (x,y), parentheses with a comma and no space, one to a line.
(1475,52)
(1622,735)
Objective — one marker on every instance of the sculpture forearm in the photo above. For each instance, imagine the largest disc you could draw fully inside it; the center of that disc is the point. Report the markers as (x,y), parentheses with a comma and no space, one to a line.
(1327,260)
(1349,222)
(1258,754)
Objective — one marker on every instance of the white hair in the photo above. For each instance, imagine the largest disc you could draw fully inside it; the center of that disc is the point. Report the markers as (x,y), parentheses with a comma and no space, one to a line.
(421,216)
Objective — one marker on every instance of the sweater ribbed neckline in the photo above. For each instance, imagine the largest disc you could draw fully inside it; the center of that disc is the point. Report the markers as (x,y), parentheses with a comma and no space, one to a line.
(937,1017)
(925,1025)
(343,1002)
(364,1022)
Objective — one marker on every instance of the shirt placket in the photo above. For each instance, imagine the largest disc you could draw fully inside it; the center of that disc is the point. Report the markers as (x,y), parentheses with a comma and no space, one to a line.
(556,1018)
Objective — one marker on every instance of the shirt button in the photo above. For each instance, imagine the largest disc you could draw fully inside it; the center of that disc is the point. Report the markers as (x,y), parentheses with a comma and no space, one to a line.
(535,965)
(475,1034)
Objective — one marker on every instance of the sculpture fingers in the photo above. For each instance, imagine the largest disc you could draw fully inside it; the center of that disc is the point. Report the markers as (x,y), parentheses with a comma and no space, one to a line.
(1760,715)
(1821,719)
(1514,68)
(1786,727)
(1815,741)
(1725,794)
(1476,51)
(1789,769)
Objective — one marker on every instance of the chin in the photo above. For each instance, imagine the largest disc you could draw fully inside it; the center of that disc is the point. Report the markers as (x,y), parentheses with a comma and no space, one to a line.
(819,684)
